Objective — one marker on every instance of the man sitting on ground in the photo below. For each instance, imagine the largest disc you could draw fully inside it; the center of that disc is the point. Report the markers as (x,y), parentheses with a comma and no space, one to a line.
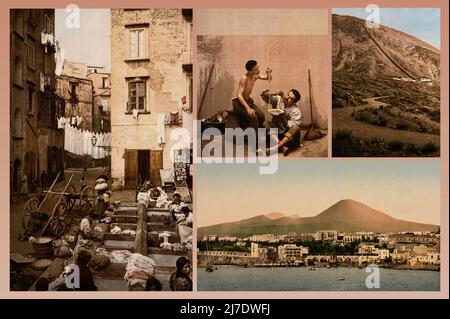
(288,122)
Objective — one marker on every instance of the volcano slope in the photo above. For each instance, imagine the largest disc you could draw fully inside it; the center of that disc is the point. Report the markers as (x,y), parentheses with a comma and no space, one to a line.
(397,71)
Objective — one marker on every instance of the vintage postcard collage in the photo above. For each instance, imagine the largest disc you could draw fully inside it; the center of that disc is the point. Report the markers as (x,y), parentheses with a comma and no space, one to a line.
(223,150)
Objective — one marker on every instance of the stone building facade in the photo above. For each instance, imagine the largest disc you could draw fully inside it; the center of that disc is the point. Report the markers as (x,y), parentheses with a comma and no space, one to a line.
(151,59)
(35,142)
(101,109)
(76,90)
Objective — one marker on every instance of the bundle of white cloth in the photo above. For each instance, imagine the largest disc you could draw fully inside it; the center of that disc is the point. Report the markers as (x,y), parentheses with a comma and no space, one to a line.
(139,269)
(144,198)
(163,199)
(115,256)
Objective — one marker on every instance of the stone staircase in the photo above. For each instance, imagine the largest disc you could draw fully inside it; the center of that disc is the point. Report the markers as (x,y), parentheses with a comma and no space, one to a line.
(148,224)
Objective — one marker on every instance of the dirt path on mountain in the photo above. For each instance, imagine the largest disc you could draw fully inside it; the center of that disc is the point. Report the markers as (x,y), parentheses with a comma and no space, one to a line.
(342,119)
(386,54)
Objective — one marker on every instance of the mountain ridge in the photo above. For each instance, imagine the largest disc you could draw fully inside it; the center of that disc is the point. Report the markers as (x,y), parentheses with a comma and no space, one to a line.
(345,215)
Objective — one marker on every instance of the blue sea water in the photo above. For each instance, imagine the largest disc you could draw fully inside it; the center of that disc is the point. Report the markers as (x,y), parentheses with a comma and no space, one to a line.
(322,279)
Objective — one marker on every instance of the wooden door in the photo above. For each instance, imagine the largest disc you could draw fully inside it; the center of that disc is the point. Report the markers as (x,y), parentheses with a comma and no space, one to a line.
(156,164)
(131,168)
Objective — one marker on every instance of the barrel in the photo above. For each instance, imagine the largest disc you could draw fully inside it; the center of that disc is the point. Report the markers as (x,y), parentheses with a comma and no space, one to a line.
(42,248)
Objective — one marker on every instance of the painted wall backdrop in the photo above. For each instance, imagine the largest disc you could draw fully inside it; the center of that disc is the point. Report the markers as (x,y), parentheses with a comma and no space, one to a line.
(223,58)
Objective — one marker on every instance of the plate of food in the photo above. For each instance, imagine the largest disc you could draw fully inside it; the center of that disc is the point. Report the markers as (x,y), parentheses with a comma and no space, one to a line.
(275,111)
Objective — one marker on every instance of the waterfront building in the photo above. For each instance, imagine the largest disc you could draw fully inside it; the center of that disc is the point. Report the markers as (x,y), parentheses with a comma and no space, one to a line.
(268,238)
(291,252)
(430,258)
(400,255)
(367,249)
(209,238)
(267,253)
(412,238)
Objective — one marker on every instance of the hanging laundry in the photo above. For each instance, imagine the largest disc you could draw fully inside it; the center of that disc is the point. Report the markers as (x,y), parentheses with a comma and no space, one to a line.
(108,140)
(135,113)
(41,82)
(187,124)
(50,38)
(77,145)
(96,154)
(60,123)
(105,105)
(79,141)
(87,142)
(83,143)
(66,137)
(161,129)
(91,147)
(101,151)
(43,38)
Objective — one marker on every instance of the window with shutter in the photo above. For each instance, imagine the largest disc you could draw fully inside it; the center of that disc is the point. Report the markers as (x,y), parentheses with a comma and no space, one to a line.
(137,44)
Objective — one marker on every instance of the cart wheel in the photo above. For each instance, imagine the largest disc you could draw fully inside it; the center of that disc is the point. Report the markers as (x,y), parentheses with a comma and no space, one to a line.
(87,199)
(30,207)
(60,209)
(57,226)
(69,201)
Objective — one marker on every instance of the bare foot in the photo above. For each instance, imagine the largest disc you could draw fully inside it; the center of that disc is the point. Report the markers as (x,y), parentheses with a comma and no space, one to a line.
(271,150)
(285,151)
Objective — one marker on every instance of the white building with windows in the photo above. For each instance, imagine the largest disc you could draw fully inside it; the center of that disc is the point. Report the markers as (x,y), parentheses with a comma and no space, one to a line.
(367,249)
(151,90)
(209,238)
(351,237)
(227,238)
(326,235)
(269,238)
(383,254)
(430,258)
(291,252)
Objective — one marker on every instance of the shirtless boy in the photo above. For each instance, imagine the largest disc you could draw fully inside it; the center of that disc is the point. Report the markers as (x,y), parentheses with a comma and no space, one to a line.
(243,104)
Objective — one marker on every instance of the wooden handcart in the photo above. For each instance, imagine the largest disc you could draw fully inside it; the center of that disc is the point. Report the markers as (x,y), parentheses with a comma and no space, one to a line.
(57,204)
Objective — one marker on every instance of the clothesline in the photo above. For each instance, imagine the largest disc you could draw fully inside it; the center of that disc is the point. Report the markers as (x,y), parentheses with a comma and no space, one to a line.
(79,142)
(74,120)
